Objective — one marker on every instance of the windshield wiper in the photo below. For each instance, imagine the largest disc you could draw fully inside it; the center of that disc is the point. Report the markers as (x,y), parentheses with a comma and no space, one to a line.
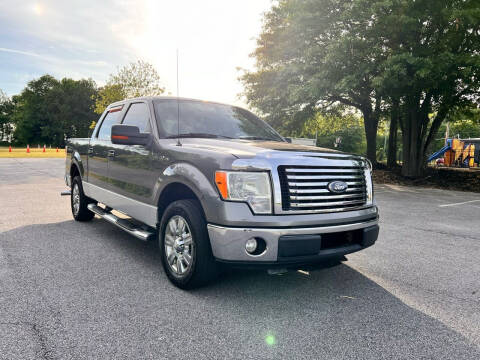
(197,135)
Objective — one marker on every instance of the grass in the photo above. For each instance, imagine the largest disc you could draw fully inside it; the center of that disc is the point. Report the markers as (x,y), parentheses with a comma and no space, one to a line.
(34,153)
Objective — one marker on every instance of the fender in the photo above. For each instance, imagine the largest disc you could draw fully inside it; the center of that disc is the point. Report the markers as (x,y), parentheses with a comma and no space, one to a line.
(190,176)
(77,160)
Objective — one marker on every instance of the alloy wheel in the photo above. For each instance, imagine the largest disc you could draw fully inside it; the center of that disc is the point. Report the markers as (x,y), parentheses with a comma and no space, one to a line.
(179,246)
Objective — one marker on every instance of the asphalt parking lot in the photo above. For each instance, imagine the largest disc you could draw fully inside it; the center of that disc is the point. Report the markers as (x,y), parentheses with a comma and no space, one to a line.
(88,290)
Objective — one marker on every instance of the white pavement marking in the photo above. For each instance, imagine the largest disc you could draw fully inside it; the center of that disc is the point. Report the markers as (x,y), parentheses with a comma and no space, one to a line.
(400,188)
(460,203)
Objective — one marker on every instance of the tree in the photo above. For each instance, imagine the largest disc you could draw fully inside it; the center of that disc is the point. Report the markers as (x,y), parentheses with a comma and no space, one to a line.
(31,113)
(462,122)
(370,54)
(392,133)
(312,53)
(6,117)
(337,129)
(432,67)
(70,109)
(133,80)
(47,111)
(108,94)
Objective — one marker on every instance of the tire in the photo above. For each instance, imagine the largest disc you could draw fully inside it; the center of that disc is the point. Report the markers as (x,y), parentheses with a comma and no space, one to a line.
(186,253)
(80,212)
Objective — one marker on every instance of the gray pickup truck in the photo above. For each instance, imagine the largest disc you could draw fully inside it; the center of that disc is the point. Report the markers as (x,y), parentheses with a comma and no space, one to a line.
(213,184)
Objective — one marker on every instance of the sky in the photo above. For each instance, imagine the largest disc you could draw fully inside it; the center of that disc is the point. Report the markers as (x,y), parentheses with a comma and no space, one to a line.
(91,39)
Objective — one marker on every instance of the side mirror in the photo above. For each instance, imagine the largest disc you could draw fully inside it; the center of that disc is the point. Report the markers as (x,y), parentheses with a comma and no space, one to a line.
(128,135)
(289,140)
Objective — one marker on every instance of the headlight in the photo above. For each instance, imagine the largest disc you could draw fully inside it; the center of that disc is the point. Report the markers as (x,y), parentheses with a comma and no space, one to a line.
(368,164)
(250,187)
(368,181)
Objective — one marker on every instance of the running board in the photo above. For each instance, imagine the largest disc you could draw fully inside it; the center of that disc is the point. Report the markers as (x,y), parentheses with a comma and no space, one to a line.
(123,224)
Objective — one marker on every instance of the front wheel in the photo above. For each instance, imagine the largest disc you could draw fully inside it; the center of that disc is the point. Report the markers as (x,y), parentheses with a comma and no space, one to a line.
(185,246)
(79,201)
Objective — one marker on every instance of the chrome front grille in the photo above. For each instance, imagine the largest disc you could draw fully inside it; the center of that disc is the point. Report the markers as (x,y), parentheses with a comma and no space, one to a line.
(305,188)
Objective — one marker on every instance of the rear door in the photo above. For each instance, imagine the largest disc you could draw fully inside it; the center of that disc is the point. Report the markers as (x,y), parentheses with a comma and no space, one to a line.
(130,171)
(100,144)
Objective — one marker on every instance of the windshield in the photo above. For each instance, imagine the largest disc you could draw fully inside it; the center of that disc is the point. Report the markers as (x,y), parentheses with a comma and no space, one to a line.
(203,119)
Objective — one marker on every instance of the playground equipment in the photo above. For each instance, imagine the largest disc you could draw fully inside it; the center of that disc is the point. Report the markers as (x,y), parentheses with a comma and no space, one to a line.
(459,152)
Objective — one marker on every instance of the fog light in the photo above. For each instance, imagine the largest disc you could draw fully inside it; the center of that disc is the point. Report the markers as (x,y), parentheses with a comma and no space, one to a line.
(251,245)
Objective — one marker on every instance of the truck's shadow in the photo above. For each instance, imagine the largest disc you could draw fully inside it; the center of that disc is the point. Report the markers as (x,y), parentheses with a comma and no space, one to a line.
(110,275)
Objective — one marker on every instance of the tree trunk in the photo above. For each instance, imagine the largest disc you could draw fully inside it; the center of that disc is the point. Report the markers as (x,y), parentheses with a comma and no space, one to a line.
(413,153)
(392,136)
(371,125)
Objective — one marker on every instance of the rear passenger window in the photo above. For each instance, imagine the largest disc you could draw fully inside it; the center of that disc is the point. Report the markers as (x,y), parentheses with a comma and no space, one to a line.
(110,119)
(138,115)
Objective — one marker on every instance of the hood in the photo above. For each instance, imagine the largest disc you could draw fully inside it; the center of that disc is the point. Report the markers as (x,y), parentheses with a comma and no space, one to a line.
(248,149)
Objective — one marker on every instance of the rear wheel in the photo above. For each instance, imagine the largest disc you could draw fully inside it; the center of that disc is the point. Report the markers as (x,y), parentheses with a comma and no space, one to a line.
(79,202)
(185,246)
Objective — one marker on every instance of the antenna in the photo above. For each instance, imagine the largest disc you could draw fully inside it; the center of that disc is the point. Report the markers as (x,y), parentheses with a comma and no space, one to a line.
(178,109)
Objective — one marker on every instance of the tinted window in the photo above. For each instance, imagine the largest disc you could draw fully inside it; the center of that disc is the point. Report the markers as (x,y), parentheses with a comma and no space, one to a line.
(110,119)
(138,115)
(197,117)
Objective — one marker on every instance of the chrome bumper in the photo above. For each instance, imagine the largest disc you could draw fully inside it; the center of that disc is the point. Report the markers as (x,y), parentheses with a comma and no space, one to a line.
(228,243)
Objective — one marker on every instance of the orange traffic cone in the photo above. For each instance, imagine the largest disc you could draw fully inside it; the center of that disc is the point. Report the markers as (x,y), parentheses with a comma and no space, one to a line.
(43,148)
(9,148)
(57,148)
(28,148)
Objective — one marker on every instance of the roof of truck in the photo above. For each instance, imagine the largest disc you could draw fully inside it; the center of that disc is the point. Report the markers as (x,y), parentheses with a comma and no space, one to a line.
(165,98)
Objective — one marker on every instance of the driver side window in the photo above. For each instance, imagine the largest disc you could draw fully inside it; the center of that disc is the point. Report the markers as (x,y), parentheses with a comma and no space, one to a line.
(138,115)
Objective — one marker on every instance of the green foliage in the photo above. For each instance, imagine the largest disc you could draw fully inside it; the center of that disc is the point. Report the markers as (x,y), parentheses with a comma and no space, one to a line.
(423,55)
(31,112)
(313,53)
(108,94)
(433,65)
(70,110)
(47,111)
(462,122)
(6,116)
(138,79)
(329,128)
(133,80)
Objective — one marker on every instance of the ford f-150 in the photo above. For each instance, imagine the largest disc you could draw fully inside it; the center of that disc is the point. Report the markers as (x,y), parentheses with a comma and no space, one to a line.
(212,184)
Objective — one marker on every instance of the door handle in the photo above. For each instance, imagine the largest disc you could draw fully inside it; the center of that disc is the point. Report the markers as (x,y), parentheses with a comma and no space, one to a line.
(111,153)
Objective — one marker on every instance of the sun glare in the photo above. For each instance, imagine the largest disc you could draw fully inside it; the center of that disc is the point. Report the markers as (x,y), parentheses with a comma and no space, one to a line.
(38,9)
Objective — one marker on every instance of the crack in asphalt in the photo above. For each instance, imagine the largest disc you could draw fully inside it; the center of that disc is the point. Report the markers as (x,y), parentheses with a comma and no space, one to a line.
(45,353)
(440,232)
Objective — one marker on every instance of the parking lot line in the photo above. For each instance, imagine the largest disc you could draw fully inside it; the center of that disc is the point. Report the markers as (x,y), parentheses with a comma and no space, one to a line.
(460,203)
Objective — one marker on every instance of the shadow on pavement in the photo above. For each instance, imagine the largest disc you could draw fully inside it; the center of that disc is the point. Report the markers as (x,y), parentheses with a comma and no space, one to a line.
(93,290)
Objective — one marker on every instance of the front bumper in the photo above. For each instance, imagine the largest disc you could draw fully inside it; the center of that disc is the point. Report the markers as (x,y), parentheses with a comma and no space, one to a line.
(296,245)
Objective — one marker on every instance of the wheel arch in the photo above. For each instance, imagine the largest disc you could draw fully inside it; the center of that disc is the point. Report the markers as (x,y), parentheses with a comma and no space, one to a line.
(175,191)
(74,171)
(76,166)
(185,181)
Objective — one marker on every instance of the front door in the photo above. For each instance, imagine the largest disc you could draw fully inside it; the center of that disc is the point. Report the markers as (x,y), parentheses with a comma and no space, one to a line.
(130,166)
(98,151)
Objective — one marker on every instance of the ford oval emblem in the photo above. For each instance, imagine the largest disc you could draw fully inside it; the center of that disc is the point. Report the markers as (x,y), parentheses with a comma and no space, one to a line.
(337,187)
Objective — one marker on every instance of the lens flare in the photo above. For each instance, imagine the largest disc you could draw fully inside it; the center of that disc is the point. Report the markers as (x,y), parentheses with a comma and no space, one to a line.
(270,340)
